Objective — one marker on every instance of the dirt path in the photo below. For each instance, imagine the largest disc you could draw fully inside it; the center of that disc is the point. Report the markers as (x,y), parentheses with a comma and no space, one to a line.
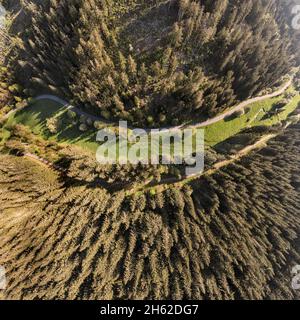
(241,106)
(218,118)
(166,182)
(163,184)
(43,162)
(257,145)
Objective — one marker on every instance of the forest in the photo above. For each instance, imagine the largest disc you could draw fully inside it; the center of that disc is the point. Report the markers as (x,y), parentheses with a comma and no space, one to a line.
(71,228)
(155,62)
(232,235)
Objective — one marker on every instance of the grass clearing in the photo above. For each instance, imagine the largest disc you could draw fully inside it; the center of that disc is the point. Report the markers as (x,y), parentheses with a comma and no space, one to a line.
(36,115)
(225,129)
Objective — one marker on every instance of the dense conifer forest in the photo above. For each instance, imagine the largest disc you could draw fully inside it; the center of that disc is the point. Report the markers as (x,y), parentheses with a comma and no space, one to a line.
(233,235)
(156,62)
(71,228)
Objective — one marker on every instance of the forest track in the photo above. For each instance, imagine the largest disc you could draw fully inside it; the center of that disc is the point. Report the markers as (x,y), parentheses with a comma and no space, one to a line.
(164,183)
(43,162)
(208,122)
(218,118)
(168,181)
(242,106)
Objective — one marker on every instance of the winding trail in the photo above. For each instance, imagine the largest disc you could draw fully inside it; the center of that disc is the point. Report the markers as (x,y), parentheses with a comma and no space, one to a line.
(208,122)
(68,106)
(242,106)
(164,183)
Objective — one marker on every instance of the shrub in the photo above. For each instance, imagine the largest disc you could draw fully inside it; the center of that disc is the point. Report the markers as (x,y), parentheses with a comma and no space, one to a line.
(234,115)
(175,172)
(82,119)
(71,114)
(3,69)
(53,125)
(137,102)
(30,100)
(238,113)
(150,120)
(175,122)
(98,125)
(6,109)
(83,127)
(281,104)
(162,118)
(247,110)
(18,99)
(21,104)
(290,95)
(28,92)
(89,122)
(152,192)
(3,85)
(297,84)
(105,114)
(15,88)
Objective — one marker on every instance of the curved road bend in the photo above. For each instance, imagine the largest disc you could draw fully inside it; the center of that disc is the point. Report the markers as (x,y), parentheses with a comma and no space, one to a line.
(217,166)
(208,122)
(241,106)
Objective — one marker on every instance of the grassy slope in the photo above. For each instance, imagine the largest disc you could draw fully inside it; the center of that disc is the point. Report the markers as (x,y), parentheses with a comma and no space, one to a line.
(35,117)
(223,130)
